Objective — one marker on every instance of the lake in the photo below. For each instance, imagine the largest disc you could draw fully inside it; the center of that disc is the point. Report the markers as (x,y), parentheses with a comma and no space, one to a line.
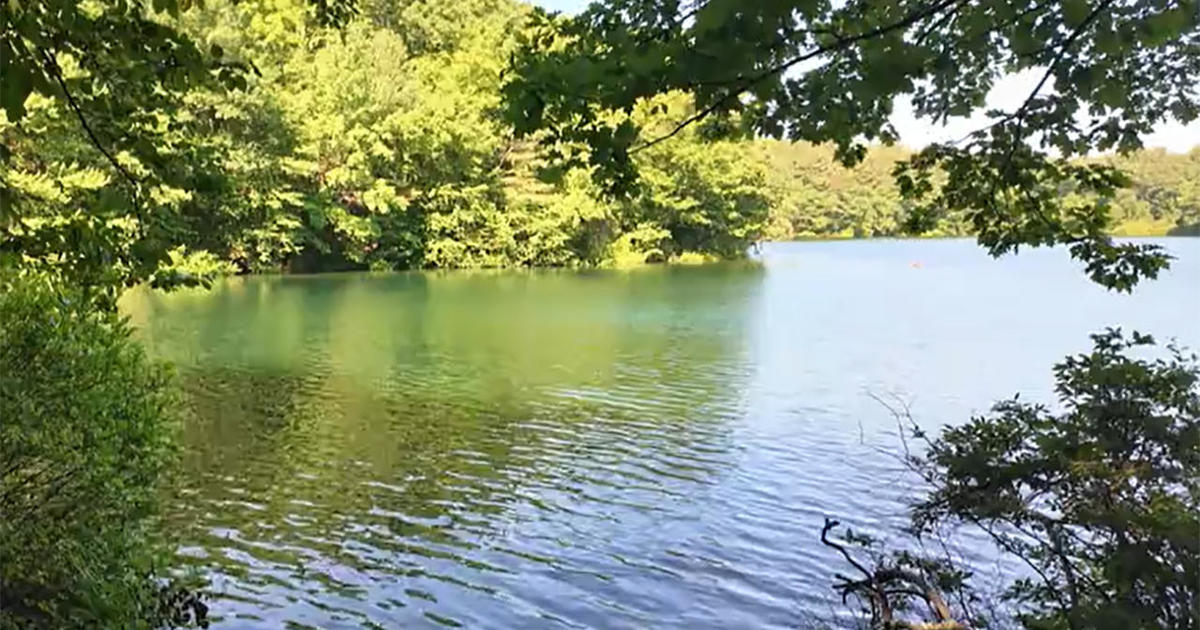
(621,449)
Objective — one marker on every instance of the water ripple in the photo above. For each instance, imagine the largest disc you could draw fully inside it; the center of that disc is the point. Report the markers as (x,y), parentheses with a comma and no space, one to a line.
(619,450)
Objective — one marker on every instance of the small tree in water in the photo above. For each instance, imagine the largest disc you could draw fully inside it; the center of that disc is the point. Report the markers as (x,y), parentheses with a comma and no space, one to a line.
(1099,499)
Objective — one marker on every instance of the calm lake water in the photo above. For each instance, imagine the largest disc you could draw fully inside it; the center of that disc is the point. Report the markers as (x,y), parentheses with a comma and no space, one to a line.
(616,449)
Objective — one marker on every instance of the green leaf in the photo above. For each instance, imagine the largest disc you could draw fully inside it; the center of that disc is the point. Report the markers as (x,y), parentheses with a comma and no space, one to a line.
(1075,11)
(166,6)
(16,85)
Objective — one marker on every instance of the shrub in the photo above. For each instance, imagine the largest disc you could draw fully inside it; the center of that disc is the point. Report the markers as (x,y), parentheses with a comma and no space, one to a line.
(86,423)
(1098,497)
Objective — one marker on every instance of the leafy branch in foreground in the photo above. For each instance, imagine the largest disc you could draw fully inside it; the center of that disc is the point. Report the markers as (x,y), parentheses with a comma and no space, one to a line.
(1108,72)
(1099,499)
(121,70)
(87,432)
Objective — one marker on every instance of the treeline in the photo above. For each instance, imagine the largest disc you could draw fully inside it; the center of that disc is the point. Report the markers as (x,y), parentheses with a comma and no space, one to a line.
(380,145)
(815,197)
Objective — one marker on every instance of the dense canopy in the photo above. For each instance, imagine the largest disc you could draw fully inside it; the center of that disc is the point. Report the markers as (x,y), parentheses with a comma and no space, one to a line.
(165,142)
(375,145)
(831,72)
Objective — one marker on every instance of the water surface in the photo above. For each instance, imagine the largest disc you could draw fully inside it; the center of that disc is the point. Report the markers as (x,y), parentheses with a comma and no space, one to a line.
(621,449)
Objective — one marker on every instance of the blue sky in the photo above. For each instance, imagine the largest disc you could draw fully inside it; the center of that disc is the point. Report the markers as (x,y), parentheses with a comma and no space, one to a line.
(568,6)
(1007,94)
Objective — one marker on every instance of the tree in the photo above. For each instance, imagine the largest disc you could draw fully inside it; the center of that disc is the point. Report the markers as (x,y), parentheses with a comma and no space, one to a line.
(90,202)
(1109,71)
(1165,190)
(116,68)
(1098,499)
(816,197)
(375,145)
(120,70)
(87,431)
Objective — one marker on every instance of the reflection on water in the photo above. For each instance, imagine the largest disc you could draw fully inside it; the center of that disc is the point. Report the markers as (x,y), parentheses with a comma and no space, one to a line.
(587,449)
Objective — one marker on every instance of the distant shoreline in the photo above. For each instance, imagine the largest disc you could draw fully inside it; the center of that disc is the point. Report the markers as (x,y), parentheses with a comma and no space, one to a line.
(1173,232)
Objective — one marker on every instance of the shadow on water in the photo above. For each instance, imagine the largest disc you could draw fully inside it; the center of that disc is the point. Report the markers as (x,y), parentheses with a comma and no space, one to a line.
(1192,229)
(478,449)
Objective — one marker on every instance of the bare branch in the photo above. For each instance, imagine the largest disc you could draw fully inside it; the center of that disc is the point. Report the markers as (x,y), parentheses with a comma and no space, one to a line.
(829,525)
(886,581)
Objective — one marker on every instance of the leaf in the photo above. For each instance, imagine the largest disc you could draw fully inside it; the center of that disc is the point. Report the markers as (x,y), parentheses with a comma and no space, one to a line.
(16,85)
(166,6)
(1075,11)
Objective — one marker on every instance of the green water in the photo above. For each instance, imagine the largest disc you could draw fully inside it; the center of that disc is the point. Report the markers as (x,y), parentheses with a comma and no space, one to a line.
(650,448)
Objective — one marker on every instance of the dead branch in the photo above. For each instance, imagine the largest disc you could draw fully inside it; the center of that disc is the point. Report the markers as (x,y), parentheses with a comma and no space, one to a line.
(882,588)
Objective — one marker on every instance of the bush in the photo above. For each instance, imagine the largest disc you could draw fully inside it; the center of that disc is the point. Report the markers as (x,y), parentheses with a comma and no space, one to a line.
(86,423)
(1098,497)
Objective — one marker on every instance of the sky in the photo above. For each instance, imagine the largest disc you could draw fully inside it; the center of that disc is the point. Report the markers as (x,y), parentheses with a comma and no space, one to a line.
(1007,94)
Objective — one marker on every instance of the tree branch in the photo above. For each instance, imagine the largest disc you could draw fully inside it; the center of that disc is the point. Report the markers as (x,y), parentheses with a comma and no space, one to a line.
(829,525)
(1021,111)
(838,44)
(888,580)
(56,72)
(1020,114)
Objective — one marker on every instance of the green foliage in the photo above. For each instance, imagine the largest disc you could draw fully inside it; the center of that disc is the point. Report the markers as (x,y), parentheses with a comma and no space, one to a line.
(1021,198)
(374,146)
(95,85)
(124,53)
(380,146)
(69,216)
(1165,195)
(410,168)
(816,197)
(86,433)
(830,72)
(902,585)
(1100,497)
(160,142)
(708,197)
(109,161)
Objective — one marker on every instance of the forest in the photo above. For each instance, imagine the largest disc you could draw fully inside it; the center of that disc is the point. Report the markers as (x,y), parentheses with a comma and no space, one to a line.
(812,196)
(382,145)
(375,146)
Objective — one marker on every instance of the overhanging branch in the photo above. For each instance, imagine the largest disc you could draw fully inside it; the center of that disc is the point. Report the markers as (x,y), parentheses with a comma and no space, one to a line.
(838,44)
(56,72)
